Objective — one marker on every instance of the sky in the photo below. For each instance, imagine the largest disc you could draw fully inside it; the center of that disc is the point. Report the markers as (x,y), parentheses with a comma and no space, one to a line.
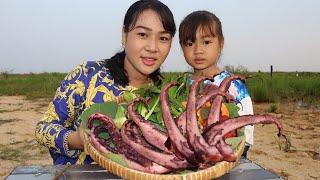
(39,36)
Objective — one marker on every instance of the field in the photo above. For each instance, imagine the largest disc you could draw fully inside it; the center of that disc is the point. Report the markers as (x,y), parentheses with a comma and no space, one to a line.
(263,87)
(291,97)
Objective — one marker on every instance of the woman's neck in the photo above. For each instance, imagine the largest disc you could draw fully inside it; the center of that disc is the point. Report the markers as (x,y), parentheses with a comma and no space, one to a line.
(137,82)
(136,79)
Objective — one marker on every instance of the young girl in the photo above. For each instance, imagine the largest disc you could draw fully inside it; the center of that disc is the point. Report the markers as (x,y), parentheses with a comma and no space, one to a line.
(202,40)
(147,34)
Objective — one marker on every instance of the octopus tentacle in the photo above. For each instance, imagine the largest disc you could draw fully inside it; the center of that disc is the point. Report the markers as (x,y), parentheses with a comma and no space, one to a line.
(178,142)
(195,139)
(181,120)
(218,130)
(152,134)
(214,114)
(134,159)
(138,143)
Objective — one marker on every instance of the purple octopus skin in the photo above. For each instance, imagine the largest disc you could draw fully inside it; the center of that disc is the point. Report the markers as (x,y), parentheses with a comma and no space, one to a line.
(195,139)
(153,135)
(134,139)
(207,88)
(181,120)
(226,151)
(223,148)
(214,114)
(178,143)
(156,152)
(218,130)
(133,159)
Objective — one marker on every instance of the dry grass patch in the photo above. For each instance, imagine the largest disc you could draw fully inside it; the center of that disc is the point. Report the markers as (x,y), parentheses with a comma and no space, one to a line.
(5,121)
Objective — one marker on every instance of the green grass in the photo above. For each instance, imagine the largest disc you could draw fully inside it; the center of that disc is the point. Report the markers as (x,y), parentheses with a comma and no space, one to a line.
(32,86)
(273,108)
(282,86)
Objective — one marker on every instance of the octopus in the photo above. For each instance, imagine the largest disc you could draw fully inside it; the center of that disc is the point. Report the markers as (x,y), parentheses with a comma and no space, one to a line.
(183,146)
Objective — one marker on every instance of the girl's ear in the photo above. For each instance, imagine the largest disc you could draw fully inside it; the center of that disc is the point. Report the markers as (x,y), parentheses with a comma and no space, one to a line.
(124,37)
(221,45)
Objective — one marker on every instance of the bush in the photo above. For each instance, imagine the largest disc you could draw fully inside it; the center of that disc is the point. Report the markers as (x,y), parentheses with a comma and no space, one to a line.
(236,70)
(273,108)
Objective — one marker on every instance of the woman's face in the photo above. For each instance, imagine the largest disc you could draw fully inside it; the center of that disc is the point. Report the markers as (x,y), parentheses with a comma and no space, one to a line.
(147,45)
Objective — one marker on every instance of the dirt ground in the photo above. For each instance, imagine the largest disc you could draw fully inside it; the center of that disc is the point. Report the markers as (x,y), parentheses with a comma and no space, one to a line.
(18,118)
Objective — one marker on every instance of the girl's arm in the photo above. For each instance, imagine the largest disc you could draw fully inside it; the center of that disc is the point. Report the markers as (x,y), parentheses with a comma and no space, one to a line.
(246,108)
(244,102)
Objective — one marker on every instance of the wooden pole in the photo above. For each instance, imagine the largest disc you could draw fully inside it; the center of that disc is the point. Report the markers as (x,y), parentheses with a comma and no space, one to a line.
(271,70)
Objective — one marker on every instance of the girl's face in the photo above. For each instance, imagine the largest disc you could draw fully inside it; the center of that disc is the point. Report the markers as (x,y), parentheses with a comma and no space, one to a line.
(147,45)
(203,53)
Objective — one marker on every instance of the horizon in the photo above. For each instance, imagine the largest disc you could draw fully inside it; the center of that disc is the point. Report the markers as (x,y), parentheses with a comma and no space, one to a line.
(45,36)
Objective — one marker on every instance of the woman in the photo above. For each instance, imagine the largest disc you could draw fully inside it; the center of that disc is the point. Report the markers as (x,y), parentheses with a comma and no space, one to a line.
(147,34)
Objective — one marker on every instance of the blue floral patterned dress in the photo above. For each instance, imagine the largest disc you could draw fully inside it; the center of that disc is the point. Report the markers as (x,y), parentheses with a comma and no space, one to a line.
(88,84)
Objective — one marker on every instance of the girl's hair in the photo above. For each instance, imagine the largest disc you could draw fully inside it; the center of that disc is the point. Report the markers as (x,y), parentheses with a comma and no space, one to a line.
(207,21)
(116,63)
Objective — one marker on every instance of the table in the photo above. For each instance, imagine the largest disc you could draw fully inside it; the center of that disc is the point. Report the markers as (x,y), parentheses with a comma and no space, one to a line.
(244,170)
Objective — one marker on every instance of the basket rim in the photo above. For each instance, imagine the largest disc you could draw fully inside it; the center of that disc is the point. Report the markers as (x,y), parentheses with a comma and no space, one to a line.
(212,172)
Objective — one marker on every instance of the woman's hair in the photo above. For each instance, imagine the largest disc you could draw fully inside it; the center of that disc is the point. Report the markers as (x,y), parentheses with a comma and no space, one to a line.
(116,63)
(207,21)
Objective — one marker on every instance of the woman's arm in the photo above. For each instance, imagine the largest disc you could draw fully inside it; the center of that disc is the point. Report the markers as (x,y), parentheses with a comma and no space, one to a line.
(57,129)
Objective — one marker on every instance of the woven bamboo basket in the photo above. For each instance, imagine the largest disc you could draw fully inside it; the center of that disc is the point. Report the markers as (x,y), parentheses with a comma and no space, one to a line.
(212,172)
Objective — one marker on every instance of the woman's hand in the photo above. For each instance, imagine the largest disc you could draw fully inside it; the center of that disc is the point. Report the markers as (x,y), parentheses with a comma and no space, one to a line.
(81,132)
(76,140)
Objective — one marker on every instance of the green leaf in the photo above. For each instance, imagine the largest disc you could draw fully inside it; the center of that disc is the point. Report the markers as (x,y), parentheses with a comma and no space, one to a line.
(176,104)
(184,172)
(179,90)
(120,117)
(104,135)
(175,113)
(153,118)
(234,142)
(159,119)
(129,96)
(204,112)
(119,122)
(108,108)
(116,158)
(151,110)
(233,110)
(141,108)
(121,112)
(201,85)
(153,101)
(240,131)
(172,91)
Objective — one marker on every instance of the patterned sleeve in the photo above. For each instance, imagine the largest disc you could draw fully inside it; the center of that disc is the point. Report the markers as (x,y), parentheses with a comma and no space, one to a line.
(61,117)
